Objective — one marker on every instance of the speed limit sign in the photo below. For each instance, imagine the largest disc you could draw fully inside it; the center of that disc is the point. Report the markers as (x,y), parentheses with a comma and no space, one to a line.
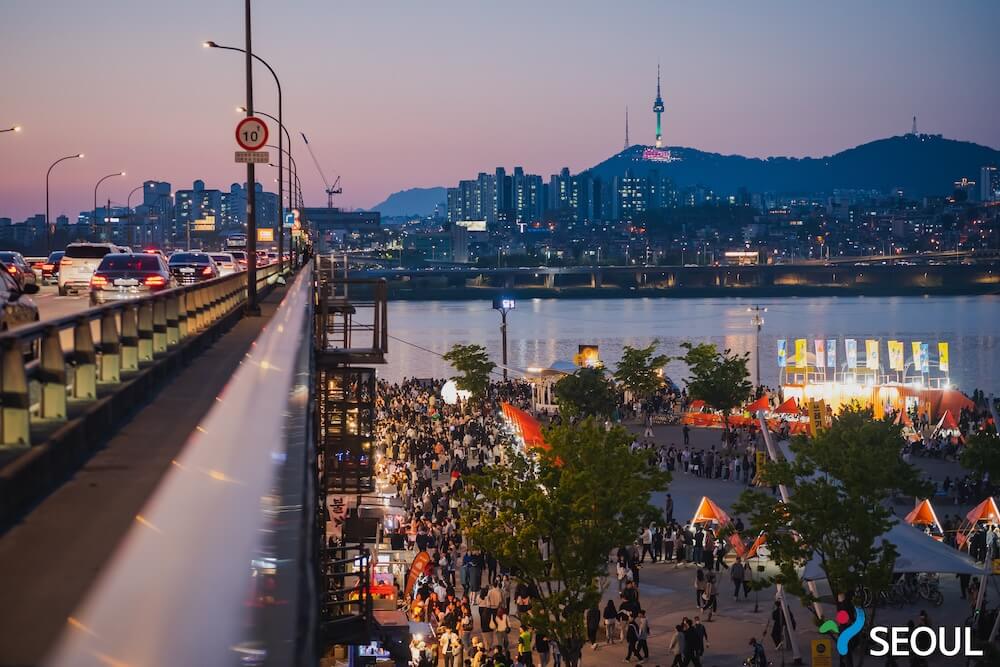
(251,133)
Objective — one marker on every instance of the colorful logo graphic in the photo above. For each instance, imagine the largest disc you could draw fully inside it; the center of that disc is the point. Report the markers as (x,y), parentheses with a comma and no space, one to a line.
(844,635)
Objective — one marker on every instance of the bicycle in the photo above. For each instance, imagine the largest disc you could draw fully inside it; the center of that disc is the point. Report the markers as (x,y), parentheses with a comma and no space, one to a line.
(929,589)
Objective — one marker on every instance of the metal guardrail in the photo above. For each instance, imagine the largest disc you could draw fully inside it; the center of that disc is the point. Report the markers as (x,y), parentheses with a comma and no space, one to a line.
(56,372)
(210,571)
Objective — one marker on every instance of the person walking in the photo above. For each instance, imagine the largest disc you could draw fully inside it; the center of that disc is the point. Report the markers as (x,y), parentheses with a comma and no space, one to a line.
(610,617)
(500,625)
(593,623)
(524,646)
(643,644)
(699,587)
(449,647)
(677,646)
(542,649)
(710,595)
(736,576)
(632,637)
(668,509)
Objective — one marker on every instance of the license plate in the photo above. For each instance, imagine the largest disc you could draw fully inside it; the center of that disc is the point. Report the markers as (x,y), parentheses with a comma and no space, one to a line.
(187,270)
(126,282)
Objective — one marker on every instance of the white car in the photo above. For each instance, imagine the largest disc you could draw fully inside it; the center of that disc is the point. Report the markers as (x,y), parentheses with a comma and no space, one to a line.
(226,262)
(77,266)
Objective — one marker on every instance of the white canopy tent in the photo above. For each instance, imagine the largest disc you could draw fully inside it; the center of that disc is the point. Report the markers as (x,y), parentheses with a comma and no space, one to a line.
(918,552)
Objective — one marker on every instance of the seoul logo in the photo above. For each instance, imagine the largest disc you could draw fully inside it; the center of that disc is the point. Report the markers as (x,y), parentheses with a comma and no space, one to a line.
(844,635)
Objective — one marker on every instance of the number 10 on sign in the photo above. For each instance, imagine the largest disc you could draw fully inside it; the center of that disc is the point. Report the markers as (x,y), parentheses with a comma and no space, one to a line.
(251,133)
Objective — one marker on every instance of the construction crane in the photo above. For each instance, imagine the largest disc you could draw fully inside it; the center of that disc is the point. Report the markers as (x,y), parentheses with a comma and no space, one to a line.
(331,190)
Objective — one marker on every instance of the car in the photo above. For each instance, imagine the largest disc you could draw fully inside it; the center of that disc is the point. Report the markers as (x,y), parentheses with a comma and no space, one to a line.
(79,263)
(50,267)
(241,258)
(17,267)
(226,262)
(154,251)
(262,259)
(18,307)
(189,268)
(124,276)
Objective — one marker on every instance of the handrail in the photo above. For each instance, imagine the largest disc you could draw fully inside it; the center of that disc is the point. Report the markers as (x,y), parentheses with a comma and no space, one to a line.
(213,514)
(80,368)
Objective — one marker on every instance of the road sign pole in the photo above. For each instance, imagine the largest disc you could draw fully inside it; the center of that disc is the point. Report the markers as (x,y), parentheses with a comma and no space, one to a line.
(251,307)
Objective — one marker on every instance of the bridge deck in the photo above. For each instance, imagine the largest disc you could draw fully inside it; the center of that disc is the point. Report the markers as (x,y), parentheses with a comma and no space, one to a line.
(49,560)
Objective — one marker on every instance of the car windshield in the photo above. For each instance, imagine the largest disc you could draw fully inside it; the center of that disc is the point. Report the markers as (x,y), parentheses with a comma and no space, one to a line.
(223,258)
(8,256)
(129,263)
(87,251)
(189,258)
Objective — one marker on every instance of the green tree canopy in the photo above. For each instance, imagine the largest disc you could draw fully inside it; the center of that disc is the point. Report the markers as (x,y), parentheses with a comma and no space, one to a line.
(638,371)
(474,367)
(721,379)
(838,487)
(561,497)
(981,454)
(585,393)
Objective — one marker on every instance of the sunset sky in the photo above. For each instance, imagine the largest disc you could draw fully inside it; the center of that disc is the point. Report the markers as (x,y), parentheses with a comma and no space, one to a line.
(395,95)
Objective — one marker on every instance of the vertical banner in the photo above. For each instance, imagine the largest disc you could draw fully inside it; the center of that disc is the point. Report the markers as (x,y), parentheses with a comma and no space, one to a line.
(925,358)
(943,356)
(917,366)
(851,350)
(820,345)
(800,353)
(871,353)
(896,362)
(831,353)
(782,352)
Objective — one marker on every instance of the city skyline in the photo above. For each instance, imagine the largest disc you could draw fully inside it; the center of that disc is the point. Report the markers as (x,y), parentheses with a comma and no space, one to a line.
(361,82)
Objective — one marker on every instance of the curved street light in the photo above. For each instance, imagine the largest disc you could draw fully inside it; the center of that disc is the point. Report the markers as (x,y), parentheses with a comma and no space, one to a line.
(281,208)
(48,231)
(93,229)
(293,171)
(16,128)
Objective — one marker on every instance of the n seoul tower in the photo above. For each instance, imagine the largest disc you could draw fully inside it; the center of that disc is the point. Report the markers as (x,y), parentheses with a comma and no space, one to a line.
(658,109)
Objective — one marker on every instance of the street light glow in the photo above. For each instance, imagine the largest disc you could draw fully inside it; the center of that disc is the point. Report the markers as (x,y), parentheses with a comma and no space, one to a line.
(79,154)
(208,44)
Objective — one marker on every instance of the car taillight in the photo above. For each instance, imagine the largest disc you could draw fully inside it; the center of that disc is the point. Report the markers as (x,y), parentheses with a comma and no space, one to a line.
(48,267)
(155,281)
(98,281)
(11,269)
(65,261)
(207,271)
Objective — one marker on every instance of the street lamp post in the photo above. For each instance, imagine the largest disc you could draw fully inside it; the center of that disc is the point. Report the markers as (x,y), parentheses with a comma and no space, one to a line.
(16,128)
(504,304)
(48,230)
(128,205)
(279,232)
(758,322)
(93,226)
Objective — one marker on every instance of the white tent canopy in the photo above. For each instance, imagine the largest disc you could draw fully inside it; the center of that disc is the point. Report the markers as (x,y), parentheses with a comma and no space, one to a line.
(917,553)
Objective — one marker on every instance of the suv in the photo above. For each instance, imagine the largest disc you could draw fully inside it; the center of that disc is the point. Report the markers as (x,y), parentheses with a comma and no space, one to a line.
(126,276)
(193,267)
(77,266)
(15,308)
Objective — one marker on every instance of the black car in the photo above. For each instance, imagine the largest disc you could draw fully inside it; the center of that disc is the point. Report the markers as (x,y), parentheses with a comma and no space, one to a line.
(18,267)
(17,308)
(189,268)
(125,276)
(50,267)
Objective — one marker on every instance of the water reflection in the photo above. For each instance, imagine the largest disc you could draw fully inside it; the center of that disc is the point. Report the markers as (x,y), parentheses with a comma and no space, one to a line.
(541,331)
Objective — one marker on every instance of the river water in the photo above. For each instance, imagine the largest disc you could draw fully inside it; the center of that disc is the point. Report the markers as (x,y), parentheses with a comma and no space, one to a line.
(541,331)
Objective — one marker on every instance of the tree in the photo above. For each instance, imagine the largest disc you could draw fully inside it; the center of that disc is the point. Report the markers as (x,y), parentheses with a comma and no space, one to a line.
(474,365)
(585,393)
(638,369)
(981,454)
(836,513)
(721,379)
(553,517)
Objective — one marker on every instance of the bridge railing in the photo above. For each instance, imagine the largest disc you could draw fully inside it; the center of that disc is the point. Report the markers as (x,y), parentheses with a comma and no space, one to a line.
(64,381)
(223,550)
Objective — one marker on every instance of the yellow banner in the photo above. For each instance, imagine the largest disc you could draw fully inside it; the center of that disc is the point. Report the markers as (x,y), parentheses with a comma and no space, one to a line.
(943,356)
(800,352)
(896,361)
(915,347)
(871,353)
(817,413)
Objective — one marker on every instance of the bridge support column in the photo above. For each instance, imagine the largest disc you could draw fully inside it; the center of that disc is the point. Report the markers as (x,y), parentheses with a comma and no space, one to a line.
(52,375)
(14,415)
(173,321)
(550,280)
(596,279)
(182,316)
(508,282)
(159,327)
(109,368)
(85,357)
(130,340)
(145,332)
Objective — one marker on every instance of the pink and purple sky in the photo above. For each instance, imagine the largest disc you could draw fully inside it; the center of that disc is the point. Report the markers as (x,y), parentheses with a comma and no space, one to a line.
(395,95)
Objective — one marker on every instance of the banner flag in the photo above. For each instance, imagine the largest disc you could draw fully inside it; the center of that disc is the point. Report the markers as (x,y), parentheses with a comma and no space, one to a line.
(917,366)
(871,353)
(925,357)
(896,362)
(800,353)
(943,356)
(851,350)
(831,352)
(782,352)
(820,352)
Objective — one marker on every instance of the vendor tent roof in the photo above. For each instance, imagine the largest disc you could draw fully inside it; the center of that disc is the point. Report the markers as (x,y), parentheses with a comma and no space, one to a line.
(947,422)
(917,553)
(697,404)
(526,426)
(984,511)
(789,407)
(708,511)
(924,515)
(761,403)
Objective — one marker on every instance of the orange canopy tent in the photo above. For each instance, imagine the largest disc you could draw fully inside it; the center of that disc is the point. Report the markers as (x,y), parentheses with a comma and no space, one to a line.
(985,511)
(709,512)
(757,544)
(789,407)
(696,404)
(947,422)
(924,515)
(526,426)
(761,403)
